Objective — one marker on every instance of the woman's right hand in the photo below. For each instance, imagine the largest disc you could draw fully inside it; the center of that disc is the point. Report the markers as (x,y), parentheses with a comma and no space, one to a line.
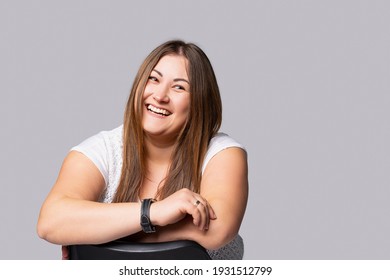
(65,252)
(176,206)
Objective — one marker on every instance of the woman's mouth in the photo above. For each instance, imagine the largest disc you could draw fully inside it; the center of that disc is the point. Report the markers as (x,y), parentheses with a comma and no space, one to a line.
(156,110)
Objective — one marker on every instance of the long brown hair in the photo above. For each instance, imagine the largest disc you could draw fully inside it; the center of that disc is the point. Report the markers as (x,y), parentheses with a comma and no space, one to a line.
(203,122)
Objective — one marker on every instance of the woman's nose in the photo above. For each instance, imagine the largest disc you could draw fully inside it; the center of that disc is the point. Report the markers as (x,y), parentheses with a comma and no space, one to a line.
(161,95)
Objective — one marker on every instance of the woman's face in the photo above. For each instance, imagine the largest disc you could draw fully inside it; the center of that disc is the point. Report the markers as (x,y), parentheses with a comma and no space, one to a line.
(166,98)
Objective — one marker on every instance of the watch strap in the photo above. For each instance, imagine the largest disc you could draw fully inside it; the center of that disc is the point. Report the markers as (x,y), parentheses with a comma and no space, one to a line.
(146,224)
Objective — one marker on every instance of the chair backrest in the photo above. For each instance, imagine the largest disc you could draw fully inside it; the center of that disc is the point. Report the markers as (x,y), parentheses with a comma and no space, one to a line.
(124,250)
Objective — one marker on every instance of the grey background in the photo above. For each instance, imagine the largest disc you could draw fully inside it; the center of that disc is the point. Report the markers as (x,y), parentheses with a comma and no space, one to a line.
(305,87)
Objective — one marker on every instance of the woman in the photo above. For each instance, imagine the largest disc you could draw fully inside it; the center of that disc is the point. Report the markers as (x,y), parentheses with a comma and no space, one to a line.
(167,158)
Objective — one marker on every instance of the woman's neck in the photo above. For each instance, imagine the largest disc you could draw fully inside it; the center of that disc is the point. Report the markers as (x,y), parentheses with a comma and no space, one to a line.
(158,160)
(159,152)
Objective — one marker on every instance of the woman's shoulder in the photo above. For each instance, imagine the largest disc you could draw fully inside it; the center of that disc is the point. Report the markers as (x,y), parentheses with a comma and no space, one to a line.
(222,140)
(104,137)
(104,149)
(218,143)
(114,134)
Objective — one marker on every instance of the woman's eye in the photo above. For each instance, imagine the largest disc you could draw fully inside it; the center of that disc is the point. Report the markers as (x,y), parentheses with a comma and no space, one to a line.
(152,78)
(179,87)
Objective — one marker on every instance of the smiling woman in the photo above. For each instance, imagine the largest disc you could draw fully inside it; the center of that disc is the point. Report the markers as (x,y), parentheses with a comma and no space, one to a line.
(165,174)
(167,98)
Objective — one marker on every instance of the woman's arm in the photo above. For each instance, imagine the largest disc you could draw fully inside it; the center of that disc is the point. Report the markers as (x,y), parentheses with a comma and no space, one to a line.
(225,187)
(72,215)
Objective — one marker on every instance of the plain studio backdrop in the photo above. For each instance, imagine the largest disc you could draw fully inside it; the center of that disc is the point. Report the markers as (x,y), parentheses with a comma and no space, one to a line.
(305,87)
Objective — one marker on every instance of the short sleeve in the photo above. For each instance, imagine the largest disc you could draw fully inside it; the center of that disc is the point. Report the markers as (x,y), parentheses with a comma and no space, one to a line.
(219,143)
(95,148)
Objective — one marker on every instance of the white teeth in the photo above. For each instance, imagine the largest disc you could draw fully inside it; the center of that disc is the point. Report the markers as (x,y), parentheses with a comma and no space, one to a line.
(158,110)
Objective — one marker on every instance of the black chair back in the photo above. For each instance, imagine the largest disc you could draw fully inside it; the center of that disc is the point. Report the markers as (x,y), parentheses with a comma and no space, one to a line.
(124,250)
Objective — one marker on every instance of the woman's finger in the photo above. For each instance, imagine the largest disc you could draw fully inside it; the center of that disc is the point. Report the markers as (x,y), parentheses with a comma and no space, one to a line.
(203,210)
(65,252)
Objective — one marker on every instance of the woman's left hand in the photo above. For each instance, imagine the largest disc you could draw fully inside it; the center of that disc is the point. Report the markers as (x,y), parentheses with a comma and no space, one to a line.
(177,206)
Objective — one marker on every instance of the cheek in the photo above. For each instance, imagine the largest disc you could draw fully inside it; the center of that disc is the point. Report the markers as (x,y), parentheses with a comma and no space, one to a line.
(146,92)
(144,96)
(185,107)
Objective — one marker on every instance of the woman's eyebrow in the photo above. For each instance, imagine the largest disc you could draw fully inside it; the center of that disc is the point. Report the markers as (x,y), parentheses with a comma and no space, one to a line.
(158,72)
(182,80)
(175,80)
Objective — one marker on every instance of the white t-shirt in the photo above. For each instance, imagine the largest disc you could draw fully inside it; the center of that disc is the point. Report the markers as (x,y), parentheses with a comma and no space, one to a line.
(105,151)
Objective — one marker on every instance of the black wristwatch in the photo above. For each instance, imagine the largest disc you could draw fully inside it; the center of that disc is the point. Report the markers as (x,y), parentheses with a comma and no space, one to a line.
(146,225)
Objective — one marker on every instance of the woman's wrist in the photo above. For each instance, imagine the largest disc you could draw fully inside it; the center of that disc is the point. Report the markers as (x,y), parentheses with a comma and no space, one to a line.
(152,214)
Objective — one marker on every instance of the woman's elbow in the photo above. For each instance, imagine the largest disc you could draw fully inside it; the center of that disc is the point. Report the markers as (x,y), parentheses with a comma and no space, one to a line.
(42,229)
(218,238)
(50,221)
(46,230)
